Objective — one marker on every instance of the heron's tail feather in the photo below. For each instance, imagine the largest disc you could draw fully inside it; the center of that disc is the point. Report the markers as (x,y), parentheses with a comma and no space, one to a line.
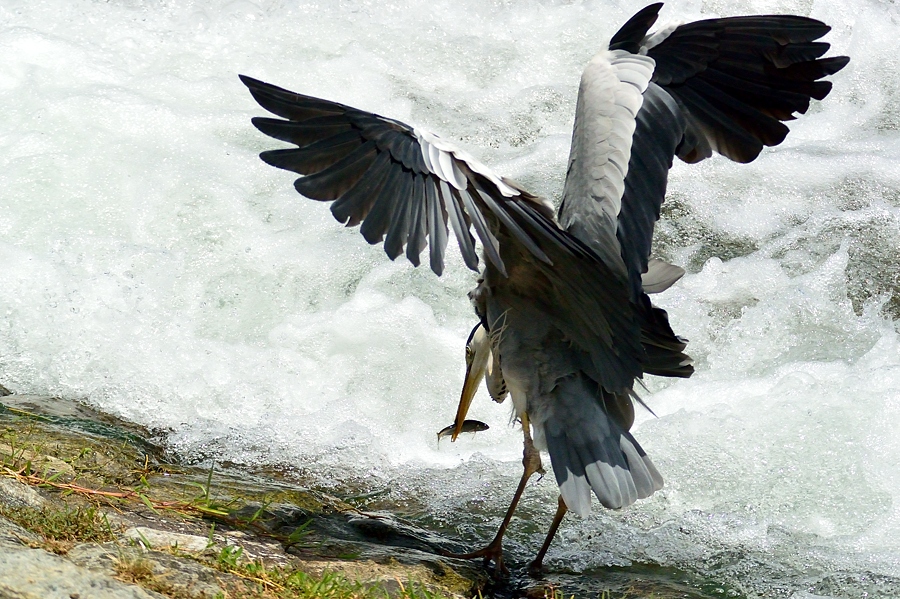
(591,451)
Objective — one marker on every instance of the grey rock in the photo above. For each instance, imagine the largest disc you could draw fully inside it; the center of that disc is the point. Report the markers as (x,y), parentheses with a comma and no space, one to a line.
(32,573)
(15,494)
(162,539)
(12,535)
(169,572)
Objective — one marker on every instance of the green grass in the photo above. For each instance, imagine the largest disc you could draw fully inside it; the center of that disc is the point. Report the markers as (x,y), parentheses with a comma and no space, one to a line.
(259,582)
(61,529)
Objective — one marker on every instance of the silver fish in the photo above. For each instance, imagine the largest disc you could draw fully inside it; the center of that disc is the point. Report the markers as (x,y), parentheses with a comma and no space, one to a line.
(469,426)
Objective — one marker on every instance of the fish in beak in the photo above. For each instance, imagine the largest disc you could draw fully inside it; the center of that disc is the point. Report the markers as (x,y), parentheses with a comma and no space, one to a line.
(469,426)
(478,356)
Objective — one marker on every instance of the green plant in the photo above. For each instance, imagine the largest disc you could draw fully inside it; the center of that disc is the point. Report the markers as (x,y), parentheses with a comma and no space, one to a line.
(298,534)
(230,556)
(62,528)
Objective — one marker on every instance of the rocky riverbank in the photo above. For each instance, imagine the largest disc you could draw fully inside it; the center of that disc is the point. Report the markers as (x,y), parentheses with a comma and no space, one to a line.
(91,507)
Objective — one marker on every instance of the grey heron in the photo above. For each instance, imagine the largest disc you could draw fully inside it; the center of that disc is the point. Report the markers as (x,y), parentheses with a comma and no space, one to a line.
(565,323)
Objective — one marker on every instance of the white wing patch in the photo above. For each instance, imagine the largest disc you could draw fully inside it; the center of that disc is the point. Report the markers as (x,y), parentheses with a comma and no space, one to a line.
(609,98)
(441,157)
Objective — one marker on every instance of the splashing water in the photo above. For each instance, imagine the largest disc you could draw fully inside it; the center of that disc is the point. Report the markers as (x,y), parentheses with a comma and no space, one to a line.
(154,267)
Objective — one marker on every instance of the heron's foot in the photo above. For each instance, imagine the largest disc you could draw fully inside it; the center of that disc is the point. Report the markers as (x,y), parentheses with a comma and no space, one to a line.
(492,553)
(536,568)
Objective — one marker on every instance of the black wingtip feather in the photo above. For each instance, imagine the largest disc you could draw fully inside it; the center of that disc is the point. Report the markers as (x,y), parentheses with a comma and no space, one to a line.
(630,35)
(758,71)
(377,220)
(832,65)
(271,127)
(456,216)
(417,224)
(332,182)
(437,226)
(282,159)
(250,82)
(288,104)
(352,207)
(400,216)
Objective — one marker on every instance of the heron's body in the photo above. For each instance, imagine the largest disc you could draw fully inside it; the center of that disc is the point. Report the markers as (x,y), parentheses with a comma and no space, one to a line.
(555,385)
(566,325)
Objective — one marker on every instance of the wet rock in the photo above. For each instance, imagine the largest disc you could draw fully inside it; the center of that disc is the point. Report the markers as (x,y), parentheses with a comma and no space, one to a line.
(28,572)
(182,529)
(45,464)
(434,577)
(637,581)
(13,536)
(72,442)
(161,539)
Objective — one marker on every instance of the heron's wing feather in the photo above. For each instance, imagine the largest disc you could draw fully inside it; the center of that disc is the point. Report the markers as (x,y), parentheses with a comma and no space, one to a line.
(609,99)
(631,35)
(738,78)
(659,127)
(720,85)
(401,184)
(660,276)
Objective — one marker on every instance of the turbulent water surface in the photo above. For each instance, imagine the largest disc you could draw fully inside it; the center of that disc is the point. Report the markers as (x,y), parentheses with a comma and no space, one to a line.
(154,267)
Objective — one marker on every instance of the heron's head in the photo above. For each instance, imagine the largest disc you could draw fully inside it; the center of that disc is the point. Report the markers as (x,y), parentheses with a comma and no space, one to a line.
(478,355)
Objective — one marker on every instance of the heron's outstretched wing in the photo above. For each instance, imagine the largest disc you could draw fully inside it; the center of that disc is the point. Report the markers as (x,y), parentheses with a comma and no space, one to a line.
(616,102)
(721,85)
(402,184)
(738,78)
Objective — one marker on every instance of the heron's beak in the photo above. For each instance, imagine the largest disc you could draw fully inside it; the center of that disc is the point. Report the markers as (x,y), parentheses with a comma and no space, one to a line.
(478,354)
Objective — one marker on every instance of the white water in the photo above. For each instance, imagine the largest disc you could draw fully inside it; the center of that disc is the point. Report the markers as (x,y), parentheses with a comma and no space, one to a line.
(152,265)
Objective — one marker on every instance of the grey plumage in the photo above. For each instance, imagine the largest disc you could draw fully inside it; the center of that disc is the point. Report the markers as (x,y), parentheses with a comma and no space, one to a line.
(604,459)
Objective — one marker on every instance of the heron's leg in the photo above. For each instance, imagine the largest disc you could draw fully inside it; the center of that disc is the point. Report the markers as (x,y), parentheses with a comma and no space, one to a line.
(531,460)
(538,563)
